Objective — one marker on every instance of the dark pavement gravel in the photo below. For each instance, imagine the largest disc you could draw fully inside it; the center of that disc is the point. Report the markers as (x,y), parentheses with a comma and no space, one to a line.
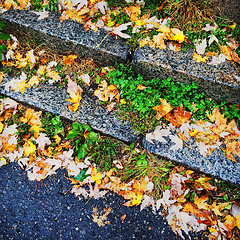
(46,213)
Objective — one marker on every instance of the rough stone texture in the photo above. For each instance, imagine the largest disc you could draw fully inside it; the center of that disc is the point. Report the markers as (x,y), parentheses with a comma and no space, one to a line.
(215,164)
(229,8)
(53,99)
(68,35)
(218,82)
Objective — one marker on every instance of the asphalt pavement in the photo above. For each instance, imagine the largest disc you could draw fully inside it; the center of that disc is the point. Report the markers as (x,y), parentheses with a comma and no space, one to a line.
(29,211)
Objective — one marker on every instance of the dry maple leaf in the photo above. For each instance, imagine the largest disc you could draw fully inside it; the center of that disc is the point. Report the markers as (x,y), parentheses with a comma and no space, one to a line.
(199,58)
(118,30)
(178,117)
(69,60)
(162,109)
(200,202)
(101,220)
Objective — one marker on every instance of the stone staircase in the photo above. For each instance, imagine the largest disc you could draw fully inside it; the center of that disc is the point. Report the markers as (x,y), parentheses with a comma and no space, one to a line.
(219,82)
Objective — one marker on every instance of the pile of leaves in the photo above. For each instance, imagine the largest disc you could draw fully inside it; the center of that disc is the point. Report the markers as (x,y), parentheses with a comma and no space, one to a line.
(142,28)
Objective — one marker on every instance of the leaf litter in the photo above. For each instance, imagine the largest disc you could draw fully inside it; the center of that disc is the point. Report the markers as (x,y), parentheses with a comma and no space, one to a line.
(33,151)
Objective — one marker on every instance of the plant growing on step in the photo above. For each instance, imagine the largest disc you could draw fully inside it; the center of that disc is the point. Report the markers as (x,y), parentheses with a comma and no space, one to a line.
(83,138)
(4,37)
(104,153)
(52,125)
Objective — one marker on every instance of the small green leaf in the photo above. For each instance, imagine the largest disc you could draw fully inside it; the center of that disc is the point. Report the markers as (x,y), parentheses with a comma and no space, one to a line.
(81,176)
(82,151)
(93,136)
(3,48)
(4,36)
(72,134)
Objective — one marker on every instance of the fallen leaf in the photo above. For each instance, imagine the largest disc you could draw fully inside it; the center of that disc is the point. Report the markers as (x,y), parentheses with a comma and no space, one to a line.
(118,30)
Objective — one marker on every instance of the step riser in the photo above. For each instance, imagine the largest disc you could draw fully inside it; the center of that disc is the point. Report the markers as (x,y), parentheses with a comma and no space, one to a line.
(68,36)
(217,81)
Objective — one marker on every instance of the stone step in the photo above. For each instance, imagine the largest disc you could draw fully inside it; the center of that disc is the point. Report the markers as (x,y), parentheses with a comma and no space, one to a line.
(70,36)
(220,82)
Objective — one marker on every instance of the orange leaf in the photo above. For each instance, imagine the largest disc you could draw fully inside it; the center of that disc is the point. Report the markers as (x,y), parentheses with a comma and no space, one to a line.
(227,51)
(162,109)
(123,217)
(235,57)
(200,202)
(178,117)
(8,4)
(69,60)
(229,222)
(141,87)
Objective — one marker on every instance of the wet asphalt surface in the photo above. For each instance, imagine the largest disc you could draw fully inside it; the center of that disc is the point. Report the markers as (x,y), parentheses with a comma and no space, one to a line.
(45,212)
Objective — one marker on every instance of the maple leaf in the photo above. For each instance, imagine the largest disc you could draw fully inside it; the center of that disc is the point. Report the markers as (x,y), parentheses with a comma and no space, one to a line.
(102,6)
(202,182)
(32,117)
(96,176)
(158,135)
(227,51)
(133,12)
(17,84)
(178,117)
(42,141)
(69,60)
(147,200)
(165,200)
(42,15)
(163,108)
(199,58)
(29,147)
(75,93)
(8,4)
(54,76)
(200,202)
(218,59)
(141,87)
(236,214)
(178,143)
(34,80)
(118,30)
(177,35)
(85,78)
(229,223)
(210,28)
(200,47)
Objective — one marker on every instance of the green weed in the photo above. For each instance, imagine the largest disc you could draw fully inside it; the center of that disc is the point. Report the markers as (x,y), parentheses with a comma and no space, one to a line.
(4,37)
(83,138)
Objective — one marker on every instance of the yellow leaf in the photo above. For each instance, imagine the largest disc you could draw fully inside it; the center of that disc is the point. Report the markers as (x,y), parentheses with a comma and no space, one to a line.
(1,127)
(227,51)
(199,58)
(159,41)
(96,176)
(29,148)
(203,183)
(57,139)
(177,35)
(33,80)
(3,161)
